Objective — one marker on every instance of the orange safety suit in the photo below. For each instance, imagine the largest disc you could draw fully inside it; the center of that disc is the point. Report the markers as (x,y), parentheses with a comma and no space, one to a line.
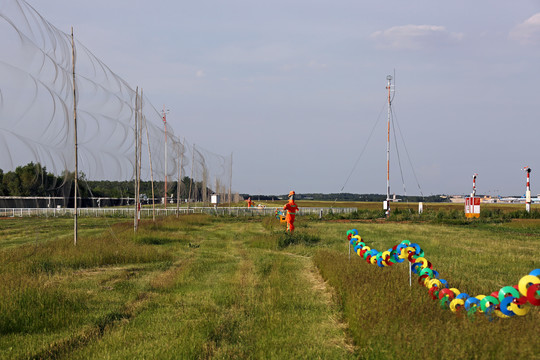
(291,208)
(249,202)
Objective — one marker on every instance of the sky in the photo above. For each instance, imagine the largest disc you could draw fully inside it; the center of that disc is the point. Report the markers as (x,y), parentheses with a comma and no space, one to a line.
(294,88)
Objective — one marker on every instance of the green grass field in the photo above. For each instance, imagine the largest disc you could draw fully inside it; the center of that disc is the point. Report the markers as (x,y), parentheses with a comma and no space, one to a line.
(206,287)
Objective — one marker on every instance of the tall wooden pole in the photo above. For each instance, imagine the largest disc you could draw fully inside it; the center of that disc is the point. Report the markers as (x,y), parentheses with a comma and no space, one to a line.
(191,177)
(230,183)
(182,164)
(165,126)
(178,181)
(76,145)
(135,221)
(139,136)
(151,171)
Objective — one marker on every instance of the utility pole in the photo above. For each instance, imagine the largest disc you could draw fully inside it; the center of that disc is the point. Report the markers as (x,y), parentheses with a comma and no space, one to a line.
(164,117)
(528,193)
(151,170)
(180,159)
(230,183)
(136,197)
(139,164)
(191,177)
(76,145)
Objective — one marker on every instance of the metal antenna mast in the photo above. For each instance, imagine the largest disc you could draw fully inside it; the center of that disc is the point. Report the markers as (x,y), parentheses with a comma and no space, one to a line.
(387,202)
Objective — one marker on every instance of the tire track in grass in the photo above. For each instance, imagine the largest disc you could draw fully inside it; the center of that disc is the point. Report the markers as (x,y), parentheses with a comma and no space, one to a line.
(62,348)
(326,294)
(190,318)
(166,280)
(231,335)
(92,333)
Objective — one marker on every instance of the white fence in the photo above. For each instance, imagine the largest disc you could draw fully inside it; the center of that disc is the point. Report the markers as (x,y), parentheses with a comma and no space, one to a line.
(147,213)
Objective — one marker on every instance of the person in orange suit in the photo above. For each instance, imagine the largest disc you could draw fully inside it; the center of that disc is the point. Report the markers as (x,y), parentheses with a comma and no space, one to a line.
(291,208)
(249,202)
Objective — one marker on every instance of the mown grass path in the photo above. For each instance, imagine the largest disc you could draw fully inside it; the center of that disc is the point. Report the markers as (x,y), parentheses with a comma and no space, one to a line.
(231,300)
(225,292)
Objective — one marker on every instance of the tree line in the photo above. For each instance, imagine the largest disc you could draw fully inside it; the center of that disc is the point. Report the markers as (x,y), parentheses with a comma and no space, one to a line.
(350,197)
(33,179)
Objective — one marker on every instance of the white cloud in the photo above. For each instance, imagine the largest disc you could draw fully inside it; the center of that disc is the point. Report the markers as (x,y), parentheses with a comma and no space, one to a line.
(288,67)
(200,73)
(528,32)
(316,65)
(415,37)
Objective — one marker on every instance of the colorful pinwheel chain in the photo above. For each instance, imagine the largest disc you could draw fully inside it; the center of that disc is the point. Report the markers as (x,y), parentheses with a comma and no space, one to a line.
(505,303)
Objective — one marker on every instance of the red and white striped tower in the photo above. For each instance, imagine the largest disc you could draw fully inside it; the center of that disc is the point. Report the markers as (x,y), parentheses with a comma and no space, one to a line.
(473,194)
(528,193)
(472,203)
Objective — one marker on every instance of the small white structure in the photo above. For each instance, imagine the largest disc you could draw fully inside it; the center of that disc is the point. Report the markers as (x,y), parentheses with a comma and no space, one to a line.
(472,207)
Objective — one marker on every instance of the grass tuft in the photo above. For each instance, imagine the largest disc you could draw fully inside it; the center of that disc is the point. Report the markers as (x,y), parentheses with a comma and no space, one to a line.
(297,238)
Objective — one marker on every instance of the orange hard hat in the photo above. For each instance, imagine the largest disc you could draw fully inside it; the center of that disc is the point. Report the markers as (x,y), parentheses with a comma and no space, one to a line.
(291,193)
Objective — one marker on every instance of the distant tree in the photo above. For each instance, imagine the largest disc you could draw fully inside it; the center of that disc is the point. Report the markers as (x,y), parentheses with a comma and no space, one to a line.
(2,191)
(184,188)
(12,184)
(31,178)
